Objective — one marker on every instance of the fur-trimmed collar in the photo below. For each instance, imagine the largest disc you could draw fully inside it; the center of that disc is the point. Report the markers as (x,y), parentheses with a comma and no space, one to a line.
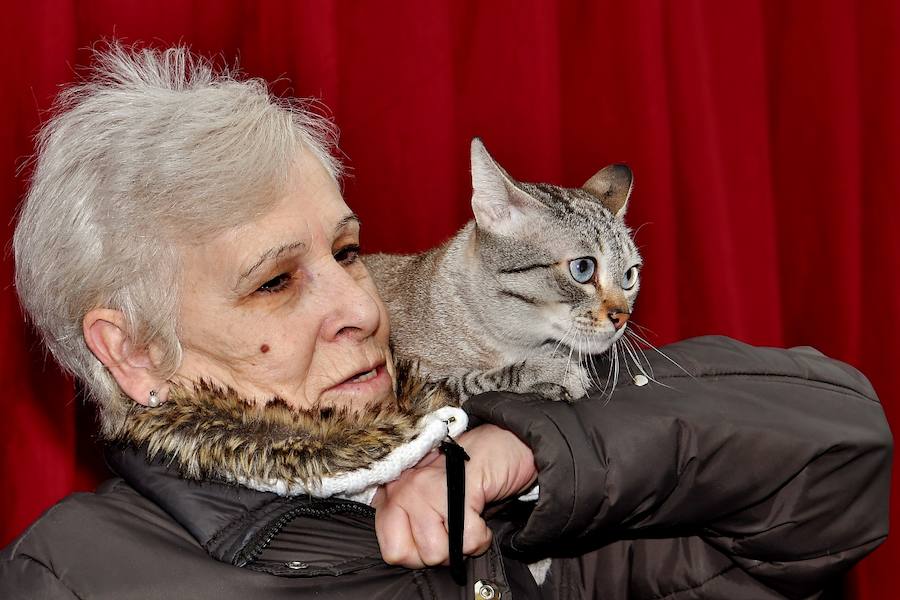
(212,433)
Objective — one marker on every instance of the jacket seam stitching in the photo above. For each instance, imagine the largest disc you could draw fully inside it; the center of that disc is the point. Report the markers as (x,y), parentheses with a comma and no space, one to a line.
(677,592)
(234,524)
(571,512)
(421,578)
(810,557)
(497,569)
(674,593)
(795,379)
(51,572)
(27,533)
(116,484)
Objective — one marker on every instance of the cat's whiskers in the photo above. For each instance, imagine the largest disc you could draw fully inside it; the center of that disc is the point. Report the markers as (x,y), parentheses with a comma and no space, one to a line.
(609,373)
(615,373)
(630,347)
(649,375)
(625,355)
(589,378)
(586,374)
(637,347)
(645,330)
(661,353)
(602,389)
(569,359)
(633,351)
(590,366)
(578,337)
(641,226)
(611,360)
(563,338)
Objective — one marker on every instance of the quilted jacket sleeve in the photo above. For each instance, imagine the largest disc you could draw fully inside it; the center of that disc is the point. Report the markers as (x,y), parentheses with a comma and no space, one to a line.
(23,577)
(778,460)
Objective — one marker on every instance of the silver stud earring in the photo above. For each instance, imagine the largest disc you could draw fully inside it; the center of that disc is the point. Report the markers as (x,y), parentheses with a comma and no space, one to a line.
(153,402)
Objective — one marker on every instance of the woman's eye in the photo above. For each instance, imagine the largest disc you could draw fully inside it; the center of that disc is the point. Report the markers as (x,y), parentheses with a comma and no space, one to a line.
(630,278)
(276,284)
(347,255)
(582,269)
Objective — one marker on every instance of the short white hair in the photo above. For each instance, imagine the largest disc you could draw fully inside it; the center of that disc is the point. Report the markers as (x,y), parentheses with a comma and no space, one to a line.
(152,150)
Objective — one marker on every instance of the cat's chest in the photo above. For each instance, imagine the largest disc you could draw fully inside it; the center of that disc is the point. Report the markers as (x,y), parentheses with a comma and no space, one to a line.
(463,355)
(510,356)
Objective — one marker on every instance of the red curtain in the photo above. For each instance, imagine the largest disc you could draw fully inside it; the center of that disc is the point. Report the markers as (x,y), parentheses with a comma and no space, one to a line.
(764,137)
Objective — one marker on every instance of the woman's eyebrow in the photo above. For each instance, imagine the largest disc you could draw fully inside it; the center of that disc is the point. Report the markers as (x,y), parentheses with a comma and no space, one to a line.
(352,217)
(268,255)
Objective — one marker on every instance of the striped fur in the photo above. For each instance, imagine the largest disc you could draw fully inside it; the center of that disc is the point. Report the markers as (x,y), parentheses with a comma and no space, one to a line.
(496,306)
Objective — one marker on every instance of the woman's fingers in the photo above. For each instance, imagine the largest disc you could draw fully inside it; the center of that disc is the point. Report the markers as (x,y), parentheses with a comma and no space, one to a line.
(411,520)
(411,512)
(394,532)
(420,537)
(501,466)
(430,532)
(430,536)
(477,535)
(422,495)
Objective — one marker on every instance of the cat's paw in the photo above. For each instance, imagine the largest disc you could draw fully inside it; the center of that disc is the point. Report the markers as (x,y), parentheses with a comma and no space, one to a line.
(553,391)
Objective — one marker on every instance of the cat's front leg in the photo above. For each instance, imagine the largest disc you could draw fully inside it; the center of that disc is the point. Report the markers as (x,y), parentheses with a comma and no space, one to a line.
(552,378)
(464,386)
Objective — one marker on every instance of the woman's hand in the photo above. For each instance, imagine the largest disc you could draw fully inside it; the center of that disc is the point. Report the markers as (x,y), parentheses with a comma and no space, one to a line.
(411,512)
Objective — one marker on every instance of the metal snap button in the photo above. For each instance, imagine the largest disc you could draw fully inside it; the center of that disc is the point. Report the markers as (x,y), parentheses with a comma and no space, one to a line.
(641,379)
(297,565)
(486,590)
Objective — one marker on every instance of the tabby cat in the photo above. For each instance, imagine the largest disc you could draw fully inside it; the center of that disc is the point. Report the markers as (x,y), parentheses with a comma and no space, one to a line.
(541,279)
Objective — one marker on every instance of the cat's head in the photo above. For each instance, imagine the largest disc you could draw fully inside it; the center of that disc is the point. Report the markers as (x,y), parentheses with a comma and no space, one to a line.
(560,264)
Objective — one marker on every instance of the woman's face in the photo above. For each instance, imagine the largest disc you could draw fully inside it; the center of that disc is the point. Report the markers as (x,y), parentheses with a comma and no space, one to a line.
(282,306)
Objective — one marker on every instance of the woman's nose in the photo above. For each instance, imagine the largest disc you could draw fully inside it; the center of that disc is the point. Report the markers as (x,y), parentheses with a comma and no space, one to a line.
(352,309)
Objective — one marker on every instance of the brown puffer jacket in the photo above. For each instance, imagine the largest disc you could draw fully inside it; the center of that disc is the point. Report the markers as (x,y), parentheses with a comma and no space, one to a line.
(750,474)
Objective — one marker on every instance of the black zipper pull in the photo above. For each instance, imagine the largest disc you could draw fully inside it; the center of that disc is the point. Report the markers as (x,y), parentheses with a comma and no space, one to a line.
(456,506)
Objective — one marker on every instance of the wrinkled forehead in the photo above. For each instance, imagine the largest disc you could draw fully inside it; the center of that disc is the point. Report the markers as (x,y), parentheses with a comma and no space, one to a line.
(305,213)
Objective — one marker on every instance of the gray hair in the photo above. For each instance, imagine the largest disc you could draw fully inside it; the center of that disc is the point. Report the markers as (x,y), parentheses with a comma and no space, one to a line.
(153,150)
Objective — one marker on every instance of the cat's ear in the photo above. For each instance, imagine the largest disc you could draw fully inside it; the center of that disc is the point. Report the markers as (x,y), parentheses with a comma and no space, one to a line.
(499,204)
(612,187)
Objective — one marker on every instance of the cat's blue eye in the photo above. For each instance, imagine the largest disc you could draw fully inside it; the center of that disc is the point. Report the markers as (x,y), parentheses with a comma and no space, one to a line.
(630,278)
(582,269)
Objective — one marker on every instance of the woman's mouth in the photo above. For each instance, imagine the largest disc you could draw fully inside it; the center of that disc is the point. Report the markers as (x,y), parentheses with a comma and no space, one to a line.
(362,388)
(364,376)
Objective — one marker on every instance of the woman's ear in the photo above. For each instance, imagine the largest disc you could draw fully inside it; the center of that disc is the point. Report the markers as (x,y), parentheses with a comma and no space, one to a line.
(132,368)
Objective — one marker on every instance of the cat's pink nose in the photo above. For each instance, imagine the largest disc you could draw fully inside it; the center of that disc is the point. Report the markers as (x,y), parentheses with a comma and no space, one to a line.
(618,318)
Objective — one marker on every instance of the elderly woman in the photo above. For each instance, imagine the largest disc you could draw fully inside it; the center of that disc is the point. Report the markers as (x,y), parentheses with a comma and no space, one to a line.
(185,251)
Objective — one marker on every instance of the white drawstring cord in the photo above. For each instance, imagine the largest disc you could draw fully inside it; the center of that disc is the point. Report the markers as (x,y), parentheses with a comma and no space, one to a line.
(360,485)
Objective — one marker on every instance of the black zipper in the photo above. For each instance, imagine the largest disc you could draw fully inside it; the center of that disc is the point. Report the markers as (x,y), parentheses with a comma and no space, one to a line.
(265,537)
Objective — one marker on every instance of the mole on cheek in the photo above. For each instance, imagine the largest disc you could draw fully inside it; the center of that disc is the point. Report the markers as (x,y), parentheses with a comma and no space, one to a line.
(264,348)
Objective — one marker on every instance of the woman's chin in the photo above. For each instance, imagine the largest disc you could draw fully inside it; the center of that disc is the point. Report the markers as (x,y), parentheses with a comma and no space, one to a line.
(370,390)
